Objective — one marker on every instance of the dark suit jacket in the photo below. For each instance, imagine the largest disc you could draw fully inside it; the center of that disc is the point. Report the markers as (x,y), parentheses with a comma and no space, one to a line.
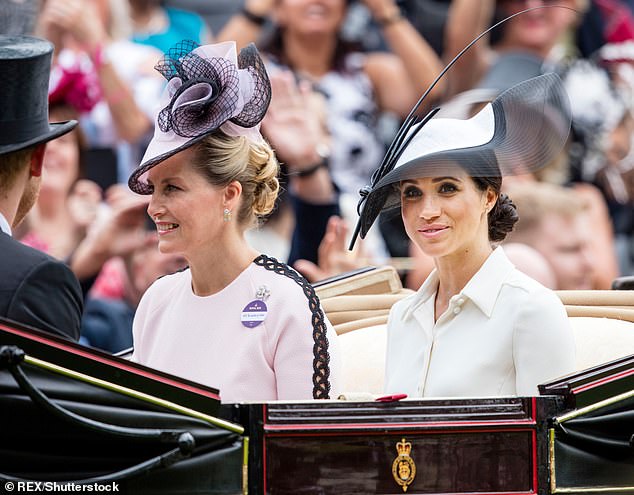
(38,290)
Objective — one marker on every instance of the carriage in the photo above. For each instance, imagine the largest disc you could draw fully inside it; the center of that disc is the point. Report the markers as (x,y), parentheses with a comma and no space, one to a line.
(75,414)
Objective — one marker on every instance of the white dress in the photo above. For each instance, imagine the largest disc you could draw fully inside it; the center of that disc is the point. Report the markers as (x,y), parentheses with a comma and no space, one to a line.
(503,334)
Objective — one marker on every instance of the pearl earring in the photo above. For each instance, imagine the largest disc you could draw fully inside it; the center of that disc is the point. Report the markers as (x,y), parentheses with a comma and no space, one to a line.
(226,215)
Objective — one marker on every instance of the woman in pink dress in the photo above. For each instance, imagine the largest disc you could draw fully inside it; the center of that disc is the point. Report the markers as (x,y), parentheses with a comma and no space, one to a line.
(235,319)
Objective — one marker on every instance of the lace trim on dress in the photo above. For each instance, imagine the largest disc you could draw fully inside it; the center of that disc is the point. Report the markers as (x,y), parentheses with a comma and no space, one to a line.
(321,360)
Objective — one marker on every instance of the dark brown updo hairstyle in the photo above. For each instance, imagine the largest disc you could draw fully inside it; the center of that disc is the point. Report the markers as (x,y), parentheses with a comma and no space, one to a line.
(503,216)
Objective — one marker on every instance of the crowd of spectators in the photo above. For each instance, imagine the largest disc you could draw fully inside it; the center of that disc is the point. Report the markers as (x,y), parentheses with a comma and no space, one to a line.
(344,75)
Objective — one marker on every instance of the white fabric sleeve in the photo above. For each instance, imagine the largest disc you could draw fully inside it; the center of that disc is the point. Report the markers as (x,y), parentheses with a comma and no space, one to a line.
(543,342)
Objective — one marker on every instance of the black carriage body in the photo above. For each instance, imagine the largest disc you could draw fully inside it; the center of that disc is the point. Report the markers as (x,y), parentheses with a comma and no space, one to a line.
(574,438)
(73,414)
(457,446)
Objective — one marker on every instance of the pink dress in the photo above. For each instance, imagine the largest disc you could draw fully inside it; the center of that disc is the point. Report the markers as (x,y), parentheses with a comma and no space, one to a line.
(205,340)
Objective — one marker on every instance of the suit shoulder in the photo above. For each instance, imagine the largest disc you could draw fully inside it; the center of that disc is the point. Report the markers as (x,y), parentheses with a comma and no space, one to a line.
(21,263)
(21,254)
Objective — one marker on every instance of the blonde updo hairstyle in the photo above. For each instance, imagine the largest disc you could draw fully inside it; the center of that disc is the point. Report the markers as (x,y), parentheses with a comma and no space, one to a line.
(223,159)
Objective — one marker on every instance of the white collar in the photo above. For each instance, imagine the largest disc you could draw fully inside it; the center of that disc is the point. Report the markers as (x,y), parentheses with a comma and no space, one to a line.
(4,225)
(482,289)
(422,295)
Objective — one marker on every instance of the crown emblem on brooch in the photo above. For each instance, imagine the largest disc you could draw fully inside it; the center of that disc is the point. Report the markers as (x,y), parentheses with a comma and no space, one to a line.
(403,467)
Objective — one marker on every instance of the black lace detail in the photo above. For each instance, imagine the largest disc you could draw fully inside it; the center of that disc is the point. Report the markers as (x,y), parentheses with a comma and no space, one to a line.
(254,109)
(321,359)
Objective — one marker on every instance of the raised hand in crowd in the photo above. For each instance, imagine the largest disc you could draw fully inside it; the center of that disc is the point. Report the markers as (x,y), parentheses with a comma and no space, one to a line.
(73,21)
(83,203)
(333,256)
(400,77)
(57,226)
(295,127)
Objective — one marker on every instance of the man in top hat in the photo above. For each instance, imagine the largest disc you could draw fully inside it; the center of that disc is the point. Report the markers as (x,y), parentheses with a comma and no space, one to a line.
(35,289)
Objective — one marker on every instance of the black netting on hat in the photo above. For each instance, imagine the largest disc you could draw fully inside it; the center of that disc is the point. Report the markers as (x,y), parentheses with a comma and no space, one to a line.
(254,109)
(528,126)
(170,64)
(537,120)
(203,93)
(206,95)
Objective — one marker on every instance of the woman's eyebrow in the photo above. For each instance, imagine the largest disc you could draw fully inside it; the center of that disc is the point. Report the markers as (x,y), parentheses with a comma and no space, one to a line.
(168,179)
(440,179)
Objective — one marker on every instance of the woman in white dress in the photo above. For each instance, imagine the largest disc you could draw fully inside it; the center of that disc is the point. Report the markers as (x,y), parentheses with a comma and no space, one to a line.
(477,326)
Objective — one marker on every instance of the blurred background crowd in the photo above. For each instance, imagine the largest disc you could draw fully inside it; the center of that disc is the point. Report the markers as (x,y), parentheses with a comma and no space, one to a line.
(344,76)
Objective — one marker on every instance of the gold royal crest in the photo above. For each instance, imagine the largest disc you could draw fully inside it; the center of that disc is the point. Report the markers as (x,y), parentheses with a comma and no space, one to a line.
(403,467)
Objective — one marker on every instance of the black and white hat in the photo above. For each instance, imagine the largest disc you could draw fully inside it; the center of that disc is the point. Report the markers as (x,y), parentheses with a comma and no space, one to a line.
(520,131)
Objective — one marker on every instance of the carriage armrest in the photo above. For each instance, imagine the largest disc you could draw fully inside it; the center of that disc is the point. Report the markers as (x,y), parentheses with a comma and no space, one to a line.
(369,280)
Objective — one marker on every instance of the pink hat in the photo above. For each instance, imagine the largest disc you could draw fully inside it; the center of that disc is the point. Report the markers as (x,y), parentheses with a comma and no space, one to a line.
(209,87)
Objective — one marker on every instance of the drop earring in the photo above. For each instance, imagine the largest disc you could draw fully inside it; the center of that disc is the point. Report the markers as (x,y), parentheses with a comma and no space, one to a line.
(226,215)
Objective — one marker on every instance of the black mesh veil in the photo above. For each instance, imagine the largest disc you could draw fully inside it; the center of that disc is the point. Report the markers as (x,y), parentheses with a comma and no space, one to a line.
(217,91)
(254,109)
(520,131)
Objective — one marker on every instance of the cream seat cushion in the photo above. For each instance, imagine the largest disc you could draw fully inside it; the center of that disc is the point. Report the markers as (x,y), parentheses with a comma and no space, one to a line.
(363,359)
(599,340)
(602,322)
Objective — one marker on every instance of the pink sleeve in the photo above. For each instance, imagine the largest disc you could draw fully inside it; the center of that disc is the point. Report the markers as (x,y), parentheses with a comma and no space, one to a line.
(294,359)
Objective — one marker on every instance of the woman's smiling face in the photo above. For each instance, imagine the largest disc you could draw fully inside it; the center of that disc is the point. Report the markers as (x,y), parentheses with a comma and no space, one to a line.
(445,215)
(187,209)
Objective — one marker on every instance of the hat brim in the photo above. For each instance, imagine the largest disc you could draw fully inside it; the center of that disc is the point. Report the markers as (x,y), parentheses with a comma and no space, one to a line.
(56,129)
(135,181)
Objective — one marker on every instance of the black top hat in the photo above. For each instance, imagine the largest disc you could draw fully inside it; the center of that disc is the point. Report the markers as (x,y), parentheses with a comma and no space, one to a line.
(25,65)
